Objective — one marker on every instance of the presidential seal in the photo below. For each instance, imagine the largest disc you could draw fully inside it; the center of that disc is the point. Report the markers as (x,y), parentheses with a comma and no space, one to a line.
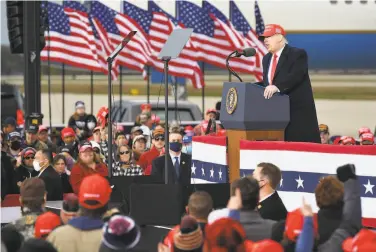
(231,100)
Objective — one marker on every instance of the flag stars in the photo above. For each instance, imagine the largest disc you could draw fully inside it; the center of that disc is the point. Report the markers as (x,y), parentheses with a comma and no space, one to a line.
(369,187)
(300,183)
(193,168)
(212,173)
(202,170)
(220,174)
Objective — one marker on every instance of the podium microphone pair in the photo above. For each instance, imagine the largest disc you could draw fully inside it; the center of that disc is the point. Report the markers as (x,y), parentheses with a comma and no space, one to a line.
(247,52)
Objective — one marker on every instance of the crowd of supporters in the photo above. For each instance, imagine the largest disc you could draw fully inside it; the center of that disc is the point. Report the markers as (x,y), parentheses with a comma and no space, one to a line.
(46,165)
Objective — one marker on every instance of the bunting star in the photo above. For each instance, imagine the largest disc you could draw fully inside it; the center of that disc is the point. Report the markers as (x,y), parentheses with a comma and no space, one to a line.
(369,187)
(300,183)
(193,168)
(212,173)
(202,170)
(281,182)
(220,174)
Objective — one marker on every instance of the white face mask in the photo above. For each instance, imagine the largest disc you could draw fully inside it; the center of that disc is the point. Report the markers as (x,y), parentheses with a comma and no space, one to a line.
(91,125)
(36,165)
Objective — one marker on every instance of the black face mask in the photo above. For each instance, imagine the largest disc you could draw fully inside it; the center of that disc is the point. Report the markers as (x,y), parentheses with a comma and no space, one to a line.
(15,145)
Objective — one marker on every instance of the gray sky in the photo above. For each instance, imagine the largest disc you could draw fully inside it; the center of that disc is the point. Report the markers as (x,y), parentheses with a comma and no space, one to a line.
(3,22)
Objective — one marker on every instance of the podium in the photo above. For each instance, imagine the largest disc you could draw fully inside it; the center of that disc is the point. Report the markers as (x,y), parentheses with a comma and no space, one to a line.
(247,115)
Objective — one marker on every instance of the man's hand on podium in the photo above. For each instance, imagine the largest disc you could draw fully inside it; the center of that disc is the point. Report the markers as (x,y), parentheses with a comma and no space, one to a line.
(269,91)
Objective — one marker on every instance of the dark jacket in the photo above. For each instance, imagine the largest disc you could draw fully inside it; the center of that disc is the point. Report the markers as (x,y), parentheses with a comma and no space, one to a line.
(53,183)
(21,173)
(7,175)
(351,219)
(256,228)
(67,188)
(291,78)
(158,166)
(272,208)
(329,220)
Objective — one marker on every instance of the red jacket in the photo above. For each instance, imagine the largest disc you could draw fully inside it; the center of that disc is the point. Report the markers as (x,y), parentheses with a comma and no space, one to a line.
(79,172)
(147,158)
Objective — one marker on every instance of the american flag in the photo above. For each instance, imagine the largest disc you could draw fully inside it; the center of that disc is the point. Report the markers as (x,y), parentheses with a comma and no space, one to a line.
(241,24)
(236,38)
(210,38)
(134,55)
(260,26)
(98,36)
(186,65)
(69,39)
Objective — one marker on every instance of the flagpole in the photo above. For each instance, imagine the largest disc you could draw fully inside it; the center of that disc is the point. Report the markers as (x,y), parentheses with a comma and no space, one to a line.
(203,91)
(148,84)
(121,87)
(63,91)
(49,74)
(91,91)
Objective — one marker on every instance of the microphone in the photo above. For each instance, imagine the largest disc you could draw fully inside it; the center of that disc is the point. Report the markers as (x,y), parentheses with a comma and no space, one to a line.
(247,52)
(121,46)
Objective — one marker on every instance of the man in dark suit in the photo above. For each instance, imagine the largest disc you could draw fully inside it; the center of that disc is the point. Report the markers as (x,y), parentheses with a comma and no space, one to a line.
(256,228)
(179,164)
(270,205)
(42,164)
(286,71)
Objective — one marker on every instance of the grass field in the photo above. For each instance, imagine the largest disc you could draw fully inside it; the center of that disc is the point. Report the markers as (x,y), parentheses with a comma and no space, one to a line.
(335,93)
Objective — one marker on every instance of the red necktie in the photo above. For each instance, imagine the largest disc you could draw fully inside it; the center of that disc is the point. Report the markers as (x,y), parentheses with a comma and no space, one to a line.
(274,66)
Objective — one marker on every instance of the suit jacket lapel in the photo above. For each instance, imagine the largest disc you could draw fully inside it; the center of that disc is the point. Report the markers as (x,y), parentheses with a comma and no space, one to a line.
(266,76)
(281,61)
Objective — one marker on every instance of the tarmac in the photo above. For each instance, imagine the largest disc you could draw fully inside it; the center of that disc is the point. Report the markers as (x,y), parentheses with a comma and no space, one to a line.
(342,117)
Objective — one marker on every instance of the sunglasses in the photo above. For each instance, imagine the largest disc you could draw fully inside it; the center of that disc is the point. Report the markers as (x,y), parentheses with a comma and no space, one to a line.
(159,139)
(123,152)
(28,158)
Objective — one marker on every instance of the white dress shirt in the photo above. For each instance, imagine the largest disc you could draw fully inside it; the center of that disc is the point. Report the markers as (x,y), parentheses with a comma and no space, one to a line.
(173,157)
(271,64)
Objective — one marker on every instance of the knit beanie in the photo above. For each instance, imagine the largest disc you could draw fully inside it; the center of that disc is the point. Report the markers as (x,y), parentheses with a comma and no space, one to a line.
(120,233)
(189,237)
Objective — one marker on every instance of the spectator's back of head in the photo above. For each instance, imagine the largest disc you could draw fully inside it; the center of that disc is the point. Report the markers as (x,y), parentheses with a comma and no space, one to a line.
(70,207)
(11,238)
(329,192)
(224,235)
(189,237)
(33,194)
(200,204)
(37,245)
(249,190)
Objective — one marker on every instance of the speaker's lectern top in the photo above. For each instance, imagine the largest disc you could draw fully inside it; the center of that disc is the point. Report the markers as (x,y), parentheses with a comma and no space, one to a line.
(175,43)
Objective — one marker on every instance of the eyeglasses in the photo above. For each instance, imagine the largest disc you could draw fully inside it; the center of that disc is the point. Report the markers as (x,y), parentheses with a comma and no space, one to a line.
(159,139)
(123,152)
(28,158)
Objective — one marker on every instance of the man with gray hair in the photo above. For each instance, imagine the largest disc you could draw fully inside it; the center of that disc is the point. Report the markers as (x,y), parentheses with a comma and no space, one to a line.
(286,72)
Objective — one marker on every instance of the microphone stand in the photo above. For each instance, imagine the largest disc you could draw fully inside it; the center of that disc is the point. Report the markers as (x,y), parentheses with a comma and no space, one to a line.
(110,59)
(229,68)
(166,60)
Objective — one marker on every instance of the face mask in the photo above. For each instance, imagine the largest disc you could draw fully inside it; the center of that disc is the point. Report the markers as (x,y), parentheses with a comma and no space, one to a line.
(36,165)
(187,149)
(91,125)
(175,146)
(16,145)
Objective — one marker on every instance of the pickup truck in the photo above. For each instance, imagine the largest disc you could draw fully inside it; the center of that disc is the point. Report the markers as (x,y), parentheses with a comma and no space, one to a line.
(127,111)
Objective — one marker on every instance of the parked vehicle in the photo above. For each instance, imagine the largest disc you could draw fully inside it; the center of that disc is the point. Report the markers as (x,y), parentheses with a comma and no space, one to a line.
(129,110)
(12,103)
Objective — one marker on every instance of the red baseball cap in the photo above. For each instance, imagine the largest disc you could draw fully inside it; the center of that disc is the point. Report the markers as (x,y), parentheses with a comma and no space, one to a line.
(41,128)
(211,110)
(263,246)
(85,146)
(45,223)
(348,141)
(96,128)
(145,106)
(294,224)
(364,241)
(188,128)
(95,192)
(363,130)
(67,132)
(272,29)
(367,137)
